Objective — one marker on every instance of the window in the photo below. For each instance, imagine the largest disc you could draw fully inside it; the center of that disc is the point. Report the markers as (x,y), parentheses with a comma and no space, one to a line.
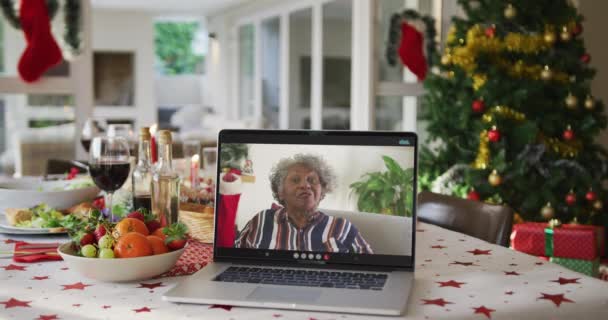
(180,47)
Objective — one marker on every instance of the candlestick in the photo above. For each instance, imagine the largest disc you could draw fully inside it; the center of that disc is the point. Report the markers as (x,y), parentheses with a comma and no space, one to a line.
(153,146)
(194,168)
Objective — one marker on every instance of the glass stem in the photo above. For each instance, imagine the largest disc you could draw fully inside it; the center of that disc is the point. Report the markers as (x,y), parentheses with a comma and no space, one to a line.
(109,205)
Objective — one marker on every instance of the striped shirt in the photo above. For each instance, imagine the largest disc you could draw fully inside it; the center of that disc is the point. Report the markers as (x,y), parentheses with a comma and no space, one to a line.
(271,229)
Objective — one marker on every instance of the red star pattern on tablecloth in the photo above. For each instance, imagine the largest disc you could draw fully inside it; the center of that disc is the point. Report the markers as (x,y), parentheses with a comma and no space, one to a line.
(439,302)
(40,278)
(509,292)
(151,285)
(539,263)
(14,267)
(106,307)
(75,286)
(47,317)
(144,309)
(480,252)
(563,281)
(221,306)
(511,273)
(438,247)
(277,315)
(555,298)
(450,283)
(76,305)
(484,310)
(466,264)
(12,303)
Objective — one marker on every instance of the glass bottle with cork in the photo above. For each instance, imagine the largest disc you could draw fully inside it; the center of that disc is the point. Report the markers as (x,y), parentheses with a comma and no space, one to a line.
(165,182)
(142,174)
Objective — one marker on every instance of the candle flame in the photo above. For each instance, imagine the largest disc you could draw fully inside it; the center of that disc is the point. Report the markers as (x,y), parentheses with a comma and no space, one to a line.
(195,158)
(153,129)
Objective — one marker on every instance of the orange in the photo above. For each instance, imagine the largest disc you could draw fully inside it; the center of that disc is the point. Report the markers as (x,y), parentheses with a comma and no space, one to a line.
(158,245)
(127,225)
(132,245)
(159,233)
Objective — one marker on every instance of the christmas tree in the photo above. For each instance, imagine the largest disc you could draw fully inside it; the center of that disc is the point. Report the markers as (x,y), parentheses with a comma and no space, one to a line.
(510,114)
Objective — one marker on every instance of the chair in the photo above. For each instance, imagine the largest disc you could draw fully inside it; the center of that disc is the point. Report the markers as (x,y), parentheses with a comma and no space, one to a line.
(484,221)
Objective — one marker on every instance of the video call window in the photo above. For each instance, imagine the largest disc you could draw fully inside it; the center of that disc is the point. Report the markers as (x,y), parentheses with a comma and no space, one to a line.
(318,198)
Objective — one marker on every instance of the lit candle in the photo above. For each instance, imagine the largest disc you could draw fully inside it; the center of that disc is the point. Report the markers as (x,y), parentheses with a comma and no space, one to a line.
(194,168)
(153,150)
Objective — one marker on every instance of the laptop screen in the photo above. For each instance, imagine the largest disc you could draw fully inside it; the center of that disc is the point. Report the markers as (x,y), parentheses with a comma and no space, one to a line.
(316,197)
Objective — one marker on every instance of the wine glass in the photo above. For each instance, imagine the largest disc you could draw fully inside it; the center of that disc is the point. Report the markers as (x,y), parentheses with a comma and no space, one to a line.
(90,130)
(109,165)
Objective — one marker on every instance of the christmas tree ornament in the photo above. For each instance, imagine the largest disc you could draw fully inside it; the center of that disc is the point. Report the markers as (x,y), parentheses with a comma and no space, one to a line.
(591,195)
(494,179)
(494,134)
(554,223)
(586,58)
(549,37)
(473,195)
(565,35)
(510,12)
(478,106)
(490,31)
(571,101)
(547,212)
(41,52)
(589,103)
(598,205)
(574,220)
(546,74)
(568,133)
(571,198)
(578,29)
(445,59)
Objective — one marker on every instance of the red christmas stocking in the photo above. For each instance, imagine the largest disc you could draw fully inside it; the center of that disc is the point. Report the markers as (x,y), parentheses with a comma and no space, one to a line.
(411,52)
(226,217)
(42,52)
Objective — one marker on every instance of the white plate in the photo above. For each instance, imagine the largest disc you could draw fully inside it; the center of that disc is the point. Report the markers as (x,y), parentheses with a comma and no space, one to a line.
(8,229)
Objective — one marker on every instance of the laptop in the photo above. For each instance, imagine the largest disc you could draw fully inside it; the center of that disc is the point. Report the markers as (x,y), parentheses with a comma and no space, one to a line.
(311,220)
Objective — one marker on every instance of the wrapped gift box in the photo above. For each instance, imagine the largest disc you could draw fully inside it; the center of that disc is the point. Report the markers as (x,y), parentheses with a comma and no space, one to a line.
(588,267)
(567,241)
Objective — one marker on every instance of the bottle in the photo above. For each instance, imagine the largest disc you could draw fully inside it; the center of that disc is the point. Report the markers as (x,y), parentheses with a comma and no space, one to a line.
(165,183)
(142,174)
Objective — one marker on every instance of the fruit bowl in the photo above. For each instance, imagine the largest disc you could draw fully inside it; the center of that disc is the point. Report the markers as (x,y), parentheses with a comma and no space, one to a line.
(119,269)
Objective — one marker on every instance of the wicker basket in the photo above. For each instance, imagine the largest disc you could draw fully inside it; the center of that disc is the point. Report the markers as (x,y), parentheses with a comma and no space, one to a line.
(199,219)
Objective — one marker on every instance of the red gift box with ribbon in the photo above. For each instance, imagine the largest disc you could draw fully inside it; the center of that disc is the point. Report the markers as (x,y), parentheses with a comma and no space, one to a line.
(573,241)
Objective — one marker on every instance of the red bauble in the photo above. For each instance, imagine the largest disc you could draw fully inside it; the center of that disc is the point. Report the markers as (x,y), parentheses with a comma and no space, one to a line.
(494,135)
(586,58)
(478,106)
(491,32)
(568,134)
(578,29)
(571,199)
(473,195)
(590,195)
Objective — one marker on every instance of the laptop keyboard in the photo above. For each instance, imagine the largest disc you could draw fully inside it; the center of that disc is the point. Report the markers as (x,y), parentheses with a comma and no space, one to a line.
(305,278)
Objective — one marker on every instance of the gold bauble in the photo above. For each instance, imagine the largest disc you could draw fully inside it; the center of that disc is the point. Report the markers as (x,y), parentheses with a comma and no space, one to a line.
(546,74)
(549,37)
(510,11)
(565,35)
(445,59)
(589,103)
(571,101)
(598,205)
(547,212)
(494,179)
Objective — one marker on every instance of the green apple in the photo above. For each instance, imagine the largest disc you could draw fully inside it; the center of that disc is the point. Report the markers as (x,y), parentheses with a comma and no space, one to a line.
(89,251)
(106,242)
(106,253)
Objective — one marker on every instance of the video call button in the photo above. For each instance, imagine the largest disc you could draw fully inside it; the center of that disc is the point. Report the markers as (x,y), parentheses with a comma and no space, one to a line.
(318,256)
(302,255)
(296,255)
(311,256)
(326,256)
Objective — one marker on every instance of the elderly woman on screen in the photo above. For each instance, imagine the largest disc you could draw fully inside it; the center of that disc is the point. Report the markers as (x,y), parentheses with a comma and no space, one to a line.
(299,184)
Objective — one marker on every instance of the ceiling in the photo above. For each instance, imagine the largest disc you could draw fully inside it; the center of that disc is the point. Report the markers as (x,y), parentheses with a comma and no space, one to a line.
(190,7)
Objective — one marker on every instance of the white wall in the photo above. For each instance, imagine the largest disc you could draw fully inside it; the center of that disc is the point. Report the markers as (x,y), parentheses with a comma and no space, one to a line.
(348,162)
(176,90)
(129,31)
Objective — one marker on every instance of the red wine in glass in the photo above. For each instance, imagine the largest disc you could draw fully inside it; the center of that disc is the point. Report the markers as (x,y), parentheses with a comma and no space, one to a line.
(111,175)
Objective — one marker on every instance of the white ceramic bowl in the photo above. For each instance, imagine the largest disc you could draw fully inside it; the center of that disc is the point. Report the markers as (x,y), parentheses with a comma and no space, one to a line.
(122,269)
(29,192)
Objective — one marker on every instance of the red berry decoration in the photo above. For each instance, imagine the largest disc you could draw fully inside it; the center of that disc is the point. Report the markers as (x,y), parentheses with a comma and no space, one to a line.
(590,196)
(494,134)
(229,177)
(491,31)
(568,134)
(571,198)
(578,29)
(478,106)
(473,195)
(586,58)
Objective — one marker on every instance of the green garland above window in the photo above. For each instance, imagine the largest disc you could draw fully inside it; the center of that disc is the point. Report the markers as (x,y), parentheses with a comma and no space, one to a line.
(71,16)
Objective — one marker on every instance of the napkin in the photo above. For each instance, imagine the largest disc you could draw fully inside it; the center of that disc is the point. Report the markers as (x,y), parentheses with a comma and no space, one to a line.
(39,252)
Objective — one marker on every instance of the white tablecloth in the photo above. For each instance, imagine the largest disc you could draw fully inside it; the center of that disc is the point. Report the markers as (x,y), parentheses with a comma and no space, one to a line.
(457,277)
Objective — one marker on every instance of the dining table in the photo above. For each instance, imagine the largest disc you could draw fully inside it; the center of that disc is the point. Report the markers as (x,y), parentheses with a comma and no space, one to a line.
(456,277)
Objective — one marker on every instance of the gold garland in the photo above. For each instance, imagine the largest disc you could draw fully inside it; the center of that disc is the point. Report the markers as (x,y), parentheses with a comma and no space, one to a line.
(483,153)
(504,112)
(564,149)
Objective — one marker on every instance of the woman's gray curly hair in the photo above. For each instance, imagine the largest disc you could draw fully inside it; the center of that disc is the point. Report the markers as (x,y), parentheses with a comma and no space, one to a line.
(316,163)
